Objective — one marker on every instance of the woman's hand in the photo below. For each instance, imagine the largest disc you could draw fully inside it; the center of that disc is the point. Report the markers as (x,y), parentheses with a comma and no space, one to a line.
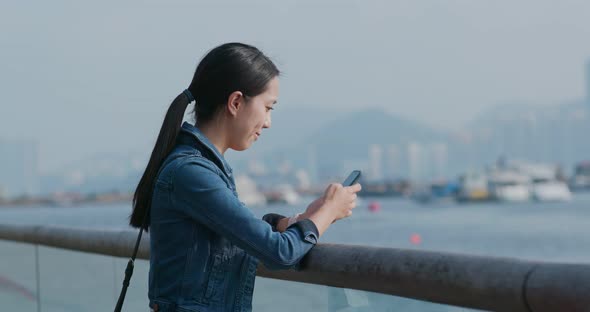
(340,199)
(336,203)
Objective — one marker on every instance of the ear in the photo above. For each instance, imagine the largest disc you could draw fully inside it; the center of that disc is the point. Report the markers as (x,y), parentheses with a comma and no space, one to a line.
(234,102)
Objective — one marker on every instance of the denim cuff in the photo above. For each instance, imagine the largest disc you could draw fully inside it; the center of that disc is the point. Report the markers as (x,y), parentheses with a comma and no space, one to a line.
(309,230)
(273,219)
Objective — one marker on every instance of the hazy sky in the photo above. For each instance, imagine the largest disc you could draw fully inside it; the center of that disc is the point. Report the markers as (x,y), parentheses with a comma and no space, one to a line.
(92,77)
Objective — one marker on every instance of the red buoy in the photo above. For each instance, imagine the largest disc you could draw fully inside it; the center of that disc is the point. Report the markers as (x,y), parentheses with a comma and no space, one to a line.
(374,206)
(416,239)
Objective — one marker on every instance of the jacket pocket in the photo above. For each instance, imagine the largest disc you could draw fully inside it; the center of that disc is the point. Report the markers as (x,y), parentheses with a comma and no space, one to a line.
(215,279)
(196,270)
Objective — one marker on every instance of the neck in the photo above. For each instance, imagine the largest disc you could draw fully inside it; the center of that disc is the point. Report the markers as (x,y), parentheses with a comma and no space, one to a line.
(214,131)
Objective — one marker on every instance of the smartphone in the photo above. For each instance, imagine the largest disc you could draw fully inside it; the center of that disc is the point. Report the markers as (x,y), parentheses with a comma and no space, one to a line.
(352,178)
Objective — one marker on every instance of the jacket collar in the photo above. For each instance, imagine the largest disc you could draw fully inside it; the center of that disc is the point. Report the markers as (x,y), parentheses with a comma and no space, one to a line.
(194,133)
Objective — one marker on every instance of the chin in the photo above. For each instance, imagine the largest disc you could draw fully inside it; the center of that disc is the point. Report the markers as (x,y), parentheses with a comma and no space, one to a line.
(242,147)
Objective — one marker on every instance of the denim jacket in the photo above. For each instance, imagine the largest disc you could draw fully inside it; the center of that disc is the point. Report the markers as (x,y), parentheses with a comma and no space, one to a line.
(205,244)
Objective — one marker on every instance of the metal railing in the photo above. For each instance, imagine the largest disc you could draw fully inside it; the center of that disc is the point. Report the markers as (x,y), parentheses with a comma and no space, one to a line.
(491,283)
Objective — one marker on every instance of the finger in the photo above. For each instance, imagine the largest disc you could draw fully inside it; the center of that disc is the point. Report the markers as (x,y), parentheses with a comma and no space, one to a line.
(354,188)
(332,189)
(328,188)
(334,185)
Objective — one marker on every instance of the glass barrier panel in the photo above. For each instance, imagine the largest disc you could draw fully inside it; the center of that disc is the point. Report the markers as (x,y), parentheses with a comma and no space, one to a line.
(279,295)
(18,286)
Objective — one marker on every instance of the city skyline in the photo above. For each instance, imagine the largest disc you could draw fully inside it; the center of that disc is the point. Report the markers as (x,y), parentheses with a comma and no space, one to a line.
(522,133)
(87,78)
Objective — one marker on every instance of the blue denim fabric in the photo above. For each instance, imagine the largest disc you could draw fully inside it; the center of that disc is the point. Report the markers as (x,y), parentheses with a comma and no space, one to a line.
(205,244)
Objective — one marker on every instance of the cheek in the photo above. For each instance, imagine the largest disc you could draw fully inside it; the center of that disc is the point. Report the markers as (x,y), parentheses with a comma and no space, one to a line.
(253,120)
(258,119)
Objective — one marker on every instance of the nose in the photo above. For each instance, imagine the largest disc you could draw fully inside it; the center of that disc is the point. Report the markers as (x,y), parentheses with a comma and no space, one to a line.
(266,122)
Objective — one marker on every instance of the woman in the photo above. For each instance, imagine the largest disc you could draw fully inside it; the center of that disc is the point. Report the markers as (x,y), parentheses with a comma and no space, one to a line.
(205,244)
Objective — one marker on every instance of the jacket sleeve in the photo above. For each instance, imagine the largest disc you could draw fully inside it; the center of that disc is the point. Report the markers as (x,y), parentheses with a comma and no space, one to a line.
(273,219)
(200,193)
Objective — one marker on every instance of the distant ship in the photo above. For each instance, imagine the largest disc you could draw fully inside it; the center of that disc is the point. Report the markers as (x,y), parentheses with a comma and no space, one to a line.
(545,185)
(509,185)
(518,182)
(580,181)
(473,187)
(523,181)
(437,192)
(386,189)
(282,194)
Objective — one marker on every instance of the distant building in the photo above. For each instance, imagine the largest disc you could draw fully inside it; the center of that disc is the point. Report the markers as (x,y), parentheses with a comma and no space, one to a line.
(19,167)
(393,162)
(375,162)
(427,161)
(439,157)
(416,163)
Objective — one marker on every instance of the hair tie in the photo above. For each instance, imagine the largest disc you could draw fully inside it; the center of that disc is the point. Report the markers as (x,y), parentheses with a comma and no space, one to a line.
(189,95)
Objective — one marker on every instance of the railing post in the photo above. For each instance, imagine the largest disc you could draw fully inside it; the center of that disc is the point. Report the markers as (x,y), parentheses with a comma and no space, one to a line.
(38,278)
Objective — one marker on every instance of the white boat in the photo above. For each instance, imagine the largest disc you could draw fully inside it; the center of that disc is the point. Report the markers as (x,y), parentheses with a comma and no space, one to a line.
(473,186)
(550,190)
(545,185)
(283,193)
(510,186)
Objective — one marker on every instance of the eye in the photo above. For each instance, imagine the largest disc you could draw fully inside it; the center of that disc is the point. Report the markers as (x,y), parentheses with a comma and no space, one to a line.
(269,109)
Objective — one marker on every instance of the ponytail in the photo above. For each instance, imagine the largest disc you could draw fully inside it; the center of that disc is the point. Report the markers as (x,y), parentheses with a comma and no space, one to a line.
(164,144)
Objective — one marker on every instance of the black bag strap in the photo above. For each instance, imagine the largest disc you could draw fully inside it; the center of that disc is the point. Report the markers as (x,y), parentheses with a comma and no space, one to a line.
(130,266)
(131,263)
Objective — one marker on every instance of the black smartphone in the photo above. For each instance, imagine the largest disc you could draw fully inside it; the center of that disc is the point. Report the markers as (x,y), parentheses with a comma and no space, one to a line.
(352,178)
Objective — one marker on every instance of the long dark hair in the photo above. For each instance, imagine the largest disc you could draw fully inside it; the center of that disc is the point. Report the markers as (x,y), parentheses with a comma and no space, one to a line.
(225,69)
